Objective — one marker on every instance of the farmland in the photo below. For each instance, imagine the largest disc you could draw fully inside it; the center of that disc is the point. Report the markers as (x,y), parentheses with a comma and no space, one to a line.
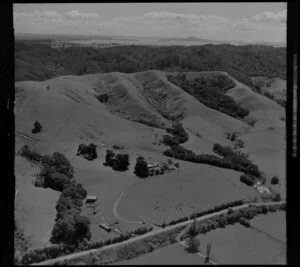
(129,112)
(250,246)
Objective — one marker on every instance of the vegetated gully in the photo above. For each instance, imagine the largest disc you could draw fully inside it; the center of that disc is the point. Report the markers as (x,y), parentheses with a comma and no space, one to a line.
(154,232)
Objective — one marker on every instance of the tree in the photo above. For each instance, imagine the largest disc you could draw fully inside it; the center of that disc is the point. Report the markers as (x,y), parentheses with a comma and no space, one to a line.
(109,156)
(208,248)
(193,229)
(56,181)
(247,180)
(37,127)
(274,180)
(141,168)
(121,162)
(193,245)
(82,228)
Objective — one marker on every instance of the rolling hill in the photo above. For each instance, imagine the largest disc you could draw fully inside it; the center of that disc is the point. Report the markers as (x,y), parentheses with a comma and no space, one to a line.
(138,106)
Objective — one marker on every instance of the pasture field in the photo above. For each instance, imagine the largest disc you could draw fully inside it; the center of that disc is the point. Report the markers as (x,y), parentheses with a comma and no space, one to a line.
(35,207)
(236,244)
(177,194)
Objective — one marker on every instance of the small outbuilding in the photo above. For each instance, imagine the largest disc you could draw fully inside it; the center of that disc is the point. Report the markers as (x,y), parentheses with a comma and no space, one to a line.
(90,200)
(105,227)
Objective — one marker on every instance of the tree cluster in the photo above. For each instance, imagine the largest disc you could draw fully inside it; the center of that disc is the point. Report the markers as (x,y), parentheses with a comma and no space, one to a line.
(118,162)
(70,227)
(57,173)
(178,132)
(87,151)
(239,158)
(210,90)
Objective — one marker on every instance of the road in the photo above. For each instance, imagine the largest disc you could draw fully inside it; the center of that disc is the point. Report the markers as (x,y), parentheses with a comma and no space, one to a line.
(26,136)
(149,234)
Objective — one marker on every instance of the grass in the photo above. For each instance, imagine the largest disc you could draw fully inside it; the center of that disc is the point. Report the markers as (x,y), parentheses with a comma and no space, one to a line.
(237,244)
(35,211)
(273,224)
(174,195)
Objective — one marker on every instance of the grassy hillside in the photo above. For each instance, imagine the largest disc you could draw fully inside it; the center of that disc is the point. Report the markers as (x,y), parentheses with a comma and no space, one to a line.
(137,106)
(241,62)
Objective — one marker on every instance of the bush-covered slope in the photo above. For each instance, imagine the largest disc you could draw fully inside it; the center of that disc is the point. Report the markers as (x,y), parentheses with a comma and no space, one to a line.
(241,62)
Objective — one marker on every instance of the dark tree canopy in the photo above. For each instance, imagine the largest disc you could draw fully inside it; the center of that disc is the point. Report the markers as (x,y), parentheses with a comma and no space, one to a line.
(141,168)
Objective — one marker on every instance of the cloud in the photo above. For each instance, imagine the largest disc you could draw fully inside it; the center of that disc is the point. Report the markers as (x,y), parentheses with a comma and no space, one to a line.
(45,16)
(75,14)
(270,17)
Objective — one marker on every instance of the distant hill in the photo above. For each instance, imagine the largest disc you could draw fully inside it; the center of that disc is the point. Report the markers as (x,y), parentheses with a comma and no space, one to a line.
(241,62)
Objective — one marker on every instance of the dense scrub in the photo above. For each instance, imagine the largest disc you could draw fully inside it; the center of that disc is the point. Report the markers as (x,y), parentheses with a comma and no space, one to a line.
(36,61)
(210,90)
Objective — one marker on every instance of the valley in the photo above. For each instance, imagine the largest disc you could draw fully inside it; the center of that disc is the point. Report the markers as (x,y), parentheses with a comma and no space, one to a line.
(133,110)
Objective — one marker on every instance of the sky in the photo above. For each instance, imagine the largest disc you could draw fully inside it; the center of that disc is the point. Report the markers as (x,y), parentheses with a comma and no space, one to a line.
(218,21)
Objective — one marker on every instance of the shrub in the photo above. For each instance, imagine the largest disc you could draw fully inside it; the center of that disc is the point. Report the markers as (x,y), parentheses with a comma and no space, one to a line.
(103,98)
(177,165)
(156,172)
(244,222)
(37,127)
(178,131)
(170,161)
(276,197)
(141,168)
(151,246)
(247,180)
(274,180)
(170,140)
(87,151)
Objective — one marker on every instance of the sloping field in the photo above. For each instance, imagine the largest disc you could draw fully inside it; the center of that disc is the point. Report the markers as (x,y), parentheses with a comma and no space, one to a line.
(70,114)
(178,194)
(273,224)
(173,254)
(35,207)
(237,244)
